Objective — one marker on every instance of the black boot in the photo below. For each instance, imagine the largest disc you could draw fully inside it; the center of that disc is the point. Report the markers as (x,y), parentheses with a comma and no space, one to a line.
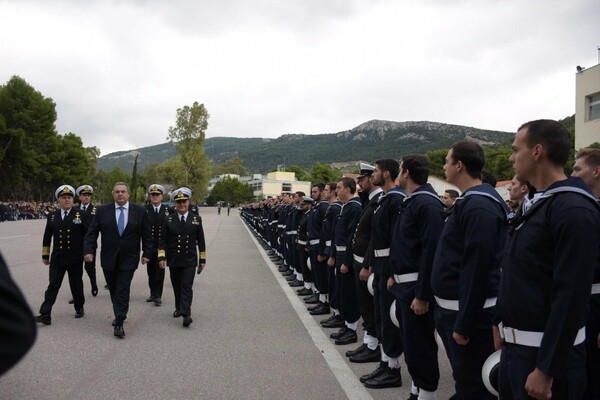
(378,371)
(390,377)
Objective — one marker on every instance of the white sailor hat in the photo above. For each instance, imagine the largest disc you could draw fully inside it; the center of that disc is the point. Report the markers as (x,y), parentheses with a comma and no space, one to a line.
(489,372)
(156,188)
(84,189)
(365,170)
(64,190)
(307,200)
(182,193)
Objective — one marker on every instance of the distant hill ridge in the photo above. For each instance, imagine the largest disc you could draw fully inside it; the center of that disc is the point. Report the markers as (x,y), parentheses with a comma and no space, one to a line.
(368,141)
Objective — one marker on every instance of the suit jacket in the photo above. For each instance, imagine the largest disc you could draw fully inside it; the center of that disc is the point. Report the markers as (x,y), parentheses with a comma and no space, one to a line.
(180,242)
(120,251)
(67,236)
(156,222)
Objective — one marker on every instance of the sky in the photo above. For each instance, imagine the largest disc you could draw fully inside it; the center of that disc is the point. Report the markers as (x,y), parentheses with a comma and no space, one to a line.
(119,70)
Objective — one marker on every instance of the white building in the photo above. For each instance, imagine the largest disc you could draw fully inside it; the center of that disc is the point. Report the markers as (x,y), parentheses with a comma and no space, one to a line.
(273,184)
(587,107)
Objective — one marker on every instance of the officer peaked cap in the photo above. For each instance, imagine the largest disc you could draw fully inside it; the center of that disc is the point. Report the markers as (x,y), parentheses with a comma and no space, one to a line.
(64,190)
(365,170)
(84,189)
(156,188)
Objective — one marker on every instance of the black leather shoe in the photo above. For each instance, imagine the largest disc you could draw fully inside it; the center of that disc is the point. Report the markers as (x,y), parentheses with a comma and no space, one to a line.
(79,313)
(336,322)
(296,283)
(348,337)
(413,397)
(72,301)
(176,314)
(150,299)
(44,319)
(187,321)
(339,333)
(94,290)
(378,371)
(288,272)
(312,299)
(356,351)
(119,331)
(157,302)
(304,292)
(322,309)
(331,319)
(390,377)
(366,356)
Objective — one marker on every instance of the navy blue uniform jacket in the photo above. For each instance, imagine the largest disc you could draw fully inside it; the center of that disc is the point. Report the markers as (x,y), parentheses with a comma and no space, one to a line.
(466,266)
(548,270)
(384,221)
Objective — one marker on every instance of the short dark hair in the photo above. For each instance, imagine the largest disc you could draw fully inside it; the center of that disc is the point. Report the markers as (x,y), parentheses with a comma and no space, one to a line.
(332,186)
(488,177)
(418,167)
(349,183)
(452,193)
(591,156)
(470,154)
(320,185)
(552,135)
(390,165)
(301,194)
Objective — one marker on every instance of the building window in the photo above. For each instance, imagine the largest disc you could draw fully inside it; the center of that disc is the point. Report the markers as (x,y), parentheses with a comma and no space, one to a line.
(594,107)
(256,186)
(286,187)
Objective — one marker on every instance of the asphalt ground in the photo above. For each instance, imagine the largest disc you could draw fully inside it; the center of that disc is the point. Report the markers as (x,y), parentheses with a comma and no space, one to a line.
(251,338)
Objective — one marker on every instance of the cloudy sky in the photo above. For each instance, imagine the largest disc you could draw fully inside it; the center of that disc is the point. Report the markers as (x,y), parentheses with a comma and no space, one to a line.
(118,70)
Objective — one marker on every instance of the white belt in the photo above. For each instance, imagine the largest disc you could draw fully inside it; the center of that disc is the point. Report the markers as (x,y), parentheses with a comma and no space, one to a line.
(328,243)
(272,222)
(291,232)
(596,288)
(404,278)
(314,241)
(529,338)
(280,226)
(340,248)
(453,304)
(382,253)
(358,258)
(302,242)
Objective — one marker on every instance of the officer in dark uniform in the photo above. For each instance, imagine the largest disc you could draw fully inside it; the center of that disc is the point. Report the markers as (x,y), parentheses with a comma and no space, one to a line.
(182,237)
(414,241)
(387,374)
(547,272)
(341,257)
(466,269)
(314,226)
(84,193)
(67,227)
(192,207)
(368,351)
(157,212)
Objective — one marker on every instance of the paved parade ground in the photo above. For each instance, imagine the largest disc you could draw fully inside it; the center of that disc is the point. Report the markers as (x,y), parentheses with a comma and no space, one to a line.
(251,338)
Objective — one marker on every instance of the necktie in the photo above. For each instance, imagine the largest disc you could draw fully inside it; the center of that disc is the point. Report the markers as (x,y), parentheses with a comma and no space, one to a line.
(83,208)
(121,222)
(65,215)
(156,210)
(183,219)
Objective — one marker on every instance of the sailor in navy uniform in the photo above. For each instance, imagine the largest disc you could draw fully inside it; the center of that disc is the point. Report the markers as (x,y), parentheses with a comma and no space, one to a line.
(66,228)
(466,269)
(547,272)
(84,193)
(345,283)
(182,237)
(157,212)
(587,167)
(414,241)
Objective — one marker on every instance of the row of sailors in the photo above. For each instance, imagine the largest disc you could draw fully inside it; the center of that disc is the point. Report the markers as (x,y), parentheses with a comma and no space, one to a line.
(530,287)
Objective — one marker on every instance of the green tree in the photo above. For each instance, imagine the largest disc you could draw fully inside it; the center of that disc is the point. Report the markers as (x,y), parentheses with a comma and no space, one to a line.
(134,180)
(437,159)
(324,173)
(230,190)
(300,173)
(190,131)
(233,166)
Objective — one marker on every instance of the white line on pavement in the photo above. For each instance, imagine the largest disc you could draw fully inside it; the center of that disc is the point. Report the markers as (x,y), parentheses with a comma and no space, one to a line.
(12,237)
(345,376)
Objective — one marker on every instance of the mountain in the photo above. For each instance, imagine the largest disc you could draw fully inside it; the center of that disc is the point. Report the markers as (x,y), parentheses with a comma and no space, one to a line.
(368,141)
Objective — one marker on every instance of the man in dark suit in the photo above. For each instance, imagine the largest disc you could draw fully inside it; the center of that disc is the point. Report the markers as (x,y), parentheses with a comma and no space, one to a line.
(181,239)
(122,225)
(67,227)
(156,214)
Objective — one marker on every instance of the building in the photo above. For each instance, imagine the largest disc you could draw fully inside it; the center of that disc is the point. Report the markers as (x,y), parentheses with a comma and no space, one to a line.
(273,184)
(587,106)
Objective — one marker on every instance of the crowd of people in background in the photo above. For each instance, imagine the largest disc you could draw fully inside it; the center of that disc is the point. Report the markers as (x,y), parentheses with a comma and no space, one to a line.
(22,210)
